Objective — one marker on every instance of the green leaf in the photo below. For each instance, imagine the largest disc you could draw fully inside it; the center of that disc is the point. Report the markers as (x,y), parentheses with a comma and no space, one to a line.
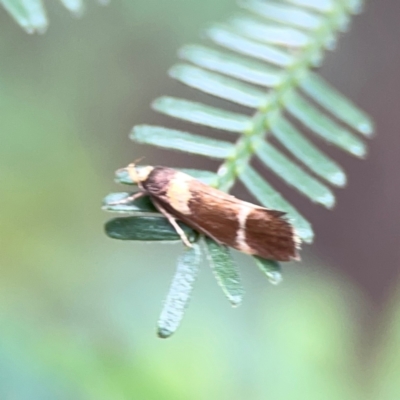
(225,271)
(146,229)
(293,36)
(344,109)
(29,14)
(180,291)
(37,14)
(270,198)
(235,42)
(284,14)
(122,176)
(307,153)
(234,66)
(272,34)
(75,6)
(271,268)
(202,114)
(207,177)
(219,86)
(354,6)
(323,126)
(182,141)
(293,175)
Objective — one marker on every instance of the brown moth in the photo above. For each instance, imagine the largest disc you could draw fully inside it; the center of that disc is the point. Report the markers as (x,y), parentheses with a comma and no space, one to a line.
(244,226)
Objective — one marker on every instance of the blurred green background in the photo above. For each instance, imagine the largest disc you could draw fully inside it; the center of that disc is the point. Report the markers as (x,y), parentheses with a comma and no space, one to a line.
(78,310)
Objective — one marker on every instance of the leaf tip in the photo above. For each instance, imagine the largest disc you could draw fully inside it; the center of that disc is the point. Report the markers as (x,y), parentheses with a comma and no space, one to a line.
(367,128)
(339,179)
(306,234)
(163,332)
(236,300)
(327,199)
(122,176)
(110,228)
(359,150)
(274,277)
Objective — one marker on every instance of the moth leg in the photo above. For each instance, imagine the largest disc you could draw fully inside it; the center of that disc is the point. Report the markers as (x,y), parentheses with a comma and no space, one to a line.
(172,220)
(129,199)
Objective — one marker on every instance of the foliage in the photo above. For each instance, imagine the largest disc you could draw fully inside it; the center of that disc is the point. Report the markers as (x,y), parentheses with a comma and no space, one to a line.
(274,46)
(31,14)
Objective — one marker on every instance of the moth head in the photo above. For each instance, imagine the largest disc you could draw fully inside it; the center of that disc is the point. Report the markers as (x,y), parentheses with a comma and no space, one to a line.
(138,174)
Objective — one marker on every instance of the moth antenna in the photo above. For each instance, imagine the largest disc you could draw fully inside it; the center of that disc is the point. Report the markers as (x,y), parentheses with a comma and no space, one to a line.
(138,160)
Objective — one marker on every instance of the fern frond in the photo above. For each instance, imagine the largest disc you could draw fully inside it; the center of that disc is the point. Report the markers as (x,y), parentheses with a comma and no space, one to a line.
(31,14)
(261,59)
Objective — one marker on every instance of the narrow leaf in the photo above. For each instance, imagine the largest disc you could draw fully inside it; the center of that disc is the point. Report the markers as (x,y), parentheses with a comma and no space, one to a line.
(292,174)
(202,114)
(146,229)
(307,153)
(270,198)
(18,11)
(235,66)
(36,14)
(207,177)
(75,6)
(232,41)
(225,271)
(354,6)
(271,268)
(284,14)
(219,86)
(179,292)
(323,126)
(345,110)
(273,34)
(182,141)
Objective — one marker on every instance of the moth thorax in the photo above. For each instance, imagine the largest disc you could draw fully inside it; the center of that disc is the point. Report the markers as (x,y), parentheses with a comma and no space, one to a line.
(139,174)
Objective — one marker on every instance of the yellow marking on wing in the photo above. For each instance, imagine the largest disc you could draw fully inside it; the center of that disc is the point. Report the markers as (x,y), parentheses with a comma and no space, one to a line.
(179,194)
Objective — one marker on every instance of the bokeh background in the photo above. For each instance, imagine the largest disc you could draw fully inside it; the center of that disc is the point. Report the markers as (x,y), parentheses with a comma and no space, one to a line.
(78,310)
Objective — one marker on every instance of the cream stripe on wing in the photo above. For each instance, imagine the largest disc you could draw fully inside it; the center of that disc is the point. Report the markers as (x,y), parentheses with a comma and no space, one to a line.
(179,194)
(241,233)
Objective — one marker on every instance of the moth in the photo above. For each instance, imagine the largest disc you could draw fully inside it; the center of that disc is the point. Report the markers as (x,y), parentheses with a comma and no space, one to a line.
(229,221)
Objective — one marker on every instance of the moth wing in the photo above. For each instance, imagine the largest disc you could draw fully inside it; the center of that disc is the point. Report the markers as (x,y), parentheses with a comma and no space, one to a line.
(271,236)
(244,226)
(201,188)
